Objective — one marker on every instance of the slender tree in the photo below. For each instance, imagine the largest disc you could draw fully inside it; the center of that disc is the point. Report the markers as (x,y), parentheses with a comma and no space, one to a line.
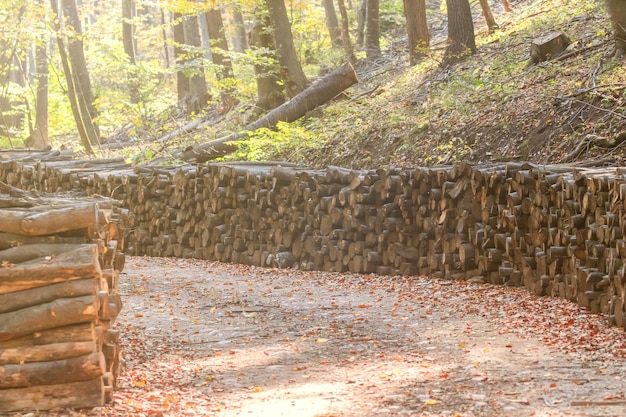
(76,53)
(617,12)
(219,52)
(39,135)
(129,12)
(372,30)
(294,77)
(86,130)
(182,82)
(345,32)
(240,43)
(491,21)
(417,29)
(461,40)
(506,6)
(361,14)
(332,22)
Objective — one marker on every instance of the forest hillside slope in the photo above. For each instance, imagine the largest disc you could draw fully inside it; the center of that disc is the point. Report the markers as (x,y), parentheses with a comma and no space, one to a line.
(494,106)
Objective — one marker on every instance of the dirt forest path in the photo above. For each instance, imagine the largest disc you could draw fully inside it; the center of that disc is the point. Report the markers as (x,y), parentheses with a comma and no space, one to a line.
(204,338)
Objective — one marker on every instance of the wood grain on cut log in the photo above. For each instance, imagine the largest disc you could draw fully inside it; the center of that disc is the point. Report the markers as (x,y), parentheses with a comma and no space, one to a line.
(76,264)
(26,298)
(319,93)
(46,353)
(80,368)
(60,312)
(48,220)
(82,394)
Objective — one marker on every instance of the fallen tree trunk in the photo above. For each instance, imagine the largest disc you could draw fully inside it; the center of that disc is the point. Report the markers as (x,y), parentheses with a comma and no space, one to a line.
(319,93)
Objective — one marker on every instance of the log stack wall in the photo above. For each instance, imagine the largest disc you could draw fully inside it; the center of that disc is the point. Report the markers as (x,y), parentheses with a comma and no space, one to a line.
(556,230)
(60,262)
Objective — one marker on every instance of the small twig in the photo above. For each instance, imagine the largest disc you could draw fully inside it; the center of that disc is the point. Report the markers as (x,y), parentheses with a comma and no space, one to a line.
(595,403)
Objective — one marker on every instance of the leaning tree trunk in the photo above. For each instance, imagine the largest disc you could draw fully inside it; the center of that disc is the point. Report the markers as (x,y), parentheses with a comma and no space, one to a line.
(76,53)
(372,31)
(417,29)
(491,21)
(461,40)
(269,90)
(219,52)
(40,134)
(345,32)
(506,6)
(294,77)
(617,12)
(319,93)
(198,96)
(86,130)
(332,23)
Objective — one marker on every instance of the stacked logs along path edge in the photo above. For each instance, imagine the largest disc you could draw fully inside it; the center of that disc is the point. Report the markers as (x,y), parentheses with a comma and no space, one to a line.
(59,269)
(557,230)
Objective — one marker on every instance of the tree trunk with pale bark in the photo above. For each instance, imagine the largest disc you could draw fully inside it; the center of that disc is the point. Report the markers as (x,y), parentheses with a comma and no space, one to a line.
(617,12)
(372,30)
(219,52)
(270,93)
(332,22)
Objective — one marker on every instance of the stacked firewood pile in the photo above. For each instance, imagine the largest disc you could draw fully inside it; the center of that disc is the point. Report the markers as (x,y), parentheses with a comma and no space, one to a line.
(557,230)
(59,268)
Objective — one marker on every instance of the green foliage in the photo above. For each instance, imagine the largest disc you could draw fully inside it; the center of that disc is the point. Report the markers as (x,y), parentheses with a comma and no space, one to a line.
(288,140)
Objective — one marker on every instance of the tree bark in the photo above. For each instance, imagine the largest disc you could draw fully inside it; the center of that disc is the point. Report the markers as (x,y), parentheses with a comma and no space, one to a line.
(461,40)
(86,130)
(345,32)
(491,21)
(36,221)
(27,298)
(46,353)
(417,29)
(129,12)
(332,22)
(293,75)
(81,394)
(182,82)
(617,13)
(506,6)
(240,43)
(361,14)
(269,91)
(39,135)
(219,51)
(166,46)
(71,265)
(79,63)
(319,93)
(372,31)
(198,95)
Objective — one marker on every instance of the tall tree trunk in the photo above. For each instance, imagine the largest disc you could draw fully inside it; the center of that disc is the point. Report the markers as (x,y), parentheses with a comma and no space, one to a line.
(461,40)
(86,130)
(166,46)
(617,12)
(294,77)
(198,96)
(182,82)
(372,31)
(361,14)
(491,21)
(240,43)
(506,6)
(219,51)
(417,29)
(269,91)
(78,62)
(128,29)
(129,12)
(39,135)
(345,32)
(332,23)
